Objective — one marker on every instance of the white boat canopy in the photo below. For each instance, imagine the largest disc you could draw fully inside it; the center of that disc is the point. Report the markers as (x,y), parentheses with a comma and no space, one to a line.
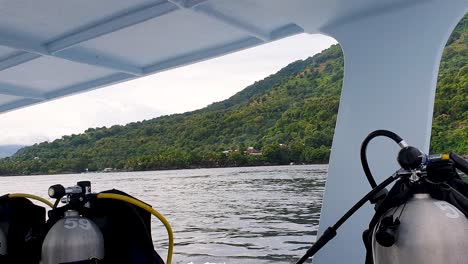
(54,48)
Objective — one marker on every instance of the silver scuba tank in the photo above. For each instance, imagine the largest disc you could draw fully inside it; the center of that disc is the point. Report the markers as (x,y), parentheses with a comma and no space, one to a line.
(3,243)
(429,231)
(73,238)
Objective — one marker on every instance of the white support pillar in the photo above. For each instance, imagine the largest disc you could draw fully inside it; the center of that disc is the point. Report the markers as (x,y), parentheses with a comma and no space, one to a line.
(391,66)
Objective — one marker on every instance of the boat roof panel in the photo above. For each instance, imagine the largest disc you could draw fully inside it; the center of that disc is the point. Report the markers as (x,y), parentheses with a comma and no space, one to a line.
(186,27)
(46,74)
(46,20)
(8,99)
(264,22)
(6,52)
(54,48)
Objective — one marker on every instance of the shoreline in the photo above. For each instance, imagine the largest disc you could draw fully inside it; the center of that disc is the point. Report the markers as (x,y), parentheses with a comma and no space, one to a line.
(165,169)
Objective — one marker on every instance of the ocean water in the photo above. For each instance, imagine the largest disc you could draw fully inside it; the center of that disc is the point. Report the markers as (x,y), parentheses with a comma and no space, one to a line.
(222,215)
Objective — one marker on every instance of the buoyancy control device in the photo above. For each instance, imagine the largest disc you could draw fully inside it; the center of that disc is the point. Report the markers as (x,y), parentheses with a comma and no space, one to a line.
(21,223)
(106,227)
(422,219)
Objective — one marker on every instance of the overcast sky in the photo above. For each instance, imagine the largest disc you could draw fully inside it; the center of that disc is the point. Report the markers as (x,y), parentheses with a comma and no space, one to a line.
(175,91)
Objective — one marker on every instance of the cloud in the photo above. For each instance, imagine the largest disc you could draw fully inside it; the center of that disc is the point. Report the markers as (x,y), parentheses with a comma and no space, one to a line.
(175,91)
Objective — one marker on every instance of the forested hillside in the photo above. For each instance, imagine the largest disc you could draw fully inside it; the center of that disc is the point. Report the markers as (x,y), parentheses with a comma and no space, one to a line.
(289,116)
(450,122)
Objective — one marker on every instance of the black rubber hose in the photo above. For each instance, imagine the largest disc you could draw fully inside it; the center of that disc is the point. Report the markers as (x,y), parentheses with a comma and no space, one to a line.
(365,164)
(57,201)
(330,232)
(460,163)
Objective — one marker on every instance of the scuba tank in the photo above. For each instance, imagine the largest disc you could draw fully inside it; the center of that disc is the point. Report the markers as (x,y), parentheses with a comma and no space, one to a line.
(423,230)
(73,238)
(3,243)
(422,219)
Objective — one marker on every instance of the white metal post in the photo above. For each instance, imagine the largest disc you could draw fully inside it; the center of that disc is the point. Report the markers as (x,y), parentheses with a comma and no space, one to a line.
(391,66)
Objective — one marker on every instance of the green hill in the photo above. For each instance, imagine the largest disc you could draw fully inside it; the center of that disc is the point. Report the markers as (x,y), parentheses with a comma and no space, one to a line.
(289,116)
(450,122)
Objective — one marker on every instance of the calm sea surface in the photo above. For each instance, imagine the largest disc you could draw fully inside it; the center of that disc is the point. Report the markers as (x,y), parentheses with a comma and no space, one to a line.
(227,215)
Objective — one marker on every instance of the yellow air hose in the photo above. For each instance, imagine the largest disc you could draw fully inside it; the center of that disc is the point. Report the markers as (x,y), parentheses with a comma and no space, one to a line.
(31,196)
(148,209)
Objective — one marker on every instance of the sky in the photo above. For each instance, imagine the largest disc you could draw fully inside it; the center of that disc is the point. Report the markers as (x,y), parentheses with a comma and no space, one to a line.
(175,91)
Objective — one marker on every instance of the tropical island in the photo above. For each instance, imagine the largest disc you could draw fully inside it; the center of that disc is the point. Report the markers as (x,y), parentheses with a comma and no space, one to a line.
(288,117)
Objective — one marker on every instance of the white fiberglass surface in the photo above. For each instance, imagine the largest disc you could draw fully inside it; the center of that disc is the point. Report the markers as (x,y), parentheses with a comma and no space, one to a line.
(46,20)
(46,74)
